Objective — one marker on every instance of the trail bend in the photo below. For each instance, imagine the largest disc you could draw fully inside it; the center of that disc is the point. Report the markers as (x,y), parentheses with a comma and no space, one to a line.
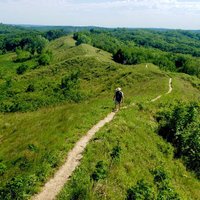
(55,184)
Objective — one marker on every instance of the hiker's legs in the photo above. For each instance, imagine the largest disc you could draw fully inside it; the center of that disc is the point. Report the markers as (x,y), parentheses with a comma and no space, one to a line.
(116,105)
(119,106)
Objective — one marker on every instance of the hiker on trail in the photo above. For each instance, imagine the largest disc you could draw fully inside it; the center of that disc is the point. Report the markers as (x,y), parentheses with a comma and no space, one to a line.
(118,98)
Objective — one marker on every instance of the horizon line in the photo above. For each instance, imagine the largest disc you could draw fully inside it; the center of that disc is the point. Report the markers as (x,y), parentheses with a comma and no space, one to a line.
(106,27)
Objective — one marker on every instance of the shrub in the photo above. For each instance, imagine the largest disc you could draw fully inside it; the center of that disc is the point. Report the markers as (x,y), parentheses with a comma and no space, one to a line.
(180,126)
(100,171)
(19,187)
(141,190)
(22,162)
(80,187)
(115,154)
(160,176)
(21,69)
(167,193)
(22,55)
(30,88)
(44,59)
(70,86)
(162,181)
(70,82)
(3,168)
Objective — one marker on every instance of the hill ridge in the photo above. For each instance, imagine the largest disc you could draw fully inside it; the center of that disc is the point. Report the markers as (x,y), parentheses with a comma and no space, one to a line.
(54,185)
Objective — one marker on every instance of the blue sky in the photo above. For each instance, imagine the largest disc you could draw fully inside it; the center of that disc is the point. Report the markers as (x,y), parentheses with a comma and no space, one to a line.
(184,14)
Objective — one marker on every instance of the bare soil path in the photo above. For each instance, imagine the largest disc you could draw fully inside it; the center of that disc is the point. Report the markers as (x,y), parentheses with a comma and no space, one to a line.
(54,185)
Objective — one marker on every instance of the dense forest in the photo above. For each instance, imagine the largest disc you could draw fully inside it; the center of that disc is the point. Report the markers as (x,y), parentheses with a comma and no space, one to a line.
(173,50)
(14,38)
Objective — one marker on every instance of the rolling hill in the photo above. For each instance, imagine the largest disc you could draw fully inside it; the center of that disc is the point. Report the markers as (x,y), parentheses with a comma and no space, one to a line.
(47,109)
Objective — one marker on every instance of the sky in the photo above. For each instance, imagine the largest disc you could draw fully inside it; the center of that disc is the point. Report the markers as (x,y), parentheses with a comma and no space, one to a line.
(176,14)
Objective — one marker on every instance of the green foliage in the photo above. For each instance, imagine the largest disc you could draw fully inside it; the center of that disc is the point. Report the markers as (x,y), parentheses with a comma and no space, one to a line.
(54,34)
(25,41)
(22,162)
(167,61)
(70,86)
(70,82)
(122,44)
(82,39)
(180,126)
(52,158)
(30,88)
(141,191)
(162,181)
(44,59)
(100,172)
(80,188)
(22,69)
(18,188)
(32,147)
(116,151)
(39,154)
(160,176)
(22,55)
(2,168)
(175,41)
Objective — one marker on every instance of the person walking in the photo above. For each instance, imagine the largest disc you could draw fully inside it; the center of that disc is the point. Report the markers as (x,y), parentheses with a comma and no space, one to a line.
(118,98)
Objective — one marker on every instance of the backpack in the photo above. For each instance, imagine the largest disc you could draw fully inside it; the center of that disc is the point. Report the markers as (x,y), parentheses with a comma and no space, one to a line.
(118,96)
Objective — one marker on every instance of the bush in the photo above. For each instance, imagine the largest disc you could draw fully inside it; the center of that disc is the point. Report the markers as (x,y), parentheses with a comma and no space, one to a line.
(70,86)
(70,82)
(44,59)
(162,181)
(22,55)
(160,176)
(100,171)
(3,168)
(141,190)
(80,187)
(115,154)
(30,88)
(180,126)
(22,162)
(21,69)
(19,187)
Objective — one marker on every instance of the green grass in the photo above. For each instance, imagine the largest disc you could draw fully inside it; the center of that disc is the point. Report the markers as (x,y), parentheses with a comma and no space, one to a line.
(35,143)
(134,130)
(98,75)
(51,131)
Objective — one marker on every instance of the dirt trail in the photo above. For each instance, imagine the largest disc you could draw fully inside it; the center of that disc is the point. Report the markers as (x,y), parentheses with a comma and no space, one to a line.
(169,91)
(54,185)
(170,86)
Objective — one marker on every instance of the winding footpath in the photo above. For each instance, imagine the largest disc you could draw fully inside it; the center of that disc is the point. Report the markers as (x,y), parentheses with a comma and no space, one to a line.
(54,185)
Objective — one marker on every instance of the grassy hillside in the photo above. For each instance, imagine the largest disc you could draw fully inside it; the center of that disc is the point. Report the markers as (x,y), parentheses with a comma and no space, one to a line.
(130,150)
(34,143)
(141,151)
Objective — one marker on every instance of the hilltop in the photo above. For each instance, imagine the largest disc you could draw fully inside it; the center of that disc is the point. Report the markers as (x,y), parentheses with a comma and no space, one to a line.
(48,108)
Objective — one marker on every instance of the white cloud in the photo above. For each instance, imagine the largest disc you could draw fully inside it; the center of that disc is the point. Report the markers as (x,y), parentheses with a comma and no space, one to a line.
(132,13)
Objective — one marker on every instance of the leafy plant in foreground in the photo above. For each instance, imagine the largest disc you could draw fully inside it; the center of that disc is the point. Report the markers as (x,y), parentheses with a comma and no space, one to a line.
(100,171)
(180,125)
(22,69)
(141,191)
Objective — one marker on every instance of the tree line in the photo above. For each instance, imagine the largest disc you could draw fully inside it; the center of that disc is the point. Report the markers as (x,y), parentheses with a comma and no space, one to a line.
(14,37)
(127,50)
